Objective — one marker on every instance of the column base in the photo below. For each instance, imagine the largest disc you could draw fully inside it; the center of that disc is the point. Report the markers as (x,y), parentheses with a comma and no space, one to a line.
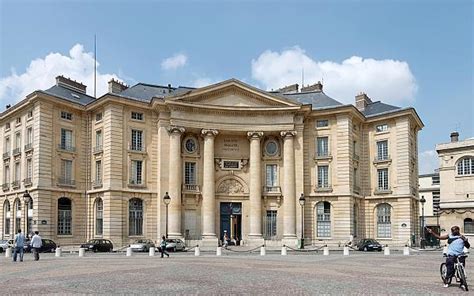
(209,242)
(254,241)
(290,242)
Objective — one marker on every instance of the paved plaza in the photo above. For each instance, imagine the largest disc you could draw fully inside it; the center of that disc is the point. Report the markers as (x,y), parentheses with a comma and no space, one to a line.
(232,273)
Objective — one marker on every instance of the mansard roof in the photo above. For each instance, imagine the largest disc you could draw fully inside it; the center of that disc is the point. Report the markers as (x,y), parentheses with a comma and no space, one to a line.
(378,108)
(145,92)
(69,95)
(317,99)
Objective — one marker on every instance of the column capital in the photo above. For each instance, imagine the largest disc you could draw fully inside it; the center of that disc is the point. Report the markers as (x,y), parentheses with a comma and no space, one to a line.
(254,135)
(209,132)
(288,134)
(176,129)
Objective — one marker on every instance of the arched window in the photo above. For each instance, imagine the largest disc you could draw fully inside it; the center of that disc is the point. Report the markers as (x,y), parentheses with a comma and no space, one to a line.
(18,214)
(64,216)
(7,217)
(135,216)
(468,226)
(384,222)
(99,214)
(323,219)
(466,166)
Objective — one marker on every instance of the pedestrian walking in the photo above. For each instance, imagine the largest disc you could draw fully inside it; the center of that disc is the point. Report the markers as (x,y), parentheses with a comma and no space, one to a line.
(163,247)
(36,244)
(19,244)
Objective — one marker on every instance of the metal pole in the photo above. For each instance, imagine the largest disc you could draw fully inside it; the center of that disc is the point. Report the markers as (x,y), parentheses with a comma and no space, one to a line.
(166,221)
(422,225)
(302,226)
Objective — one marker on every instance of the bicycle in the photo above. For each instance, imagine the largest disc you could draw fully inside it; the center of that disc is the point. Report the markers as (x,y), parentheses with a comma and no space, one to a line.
(459,272)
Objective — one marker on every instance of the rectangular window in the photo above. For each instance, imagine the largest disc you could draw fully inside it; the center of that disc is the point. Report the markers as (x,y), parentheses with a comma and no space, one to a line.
(98,171)
(99,222)
(7,144)
(30,114)
(271,175)
(66,139)
(382,150)
(323,176)
(382,179)
(98,139)
(136,172)
(66,171)
(322,123)
(323,213)
(356,181)
(6,175)
(435,180)
(7,126)
(381,128)
(384,223)
(17,140)
(18,120)
(98,116)
(137,116)
(436,199)
(29,136)
(64,221)
(190,173)
(137,140)
(17,172)
(270,226)
(29,168)
(66,115)
(322,146)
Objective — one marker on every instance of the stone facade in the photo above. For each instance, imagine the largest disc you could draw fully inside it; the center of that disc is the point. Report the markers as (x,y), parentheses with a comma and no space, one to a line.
(230,156)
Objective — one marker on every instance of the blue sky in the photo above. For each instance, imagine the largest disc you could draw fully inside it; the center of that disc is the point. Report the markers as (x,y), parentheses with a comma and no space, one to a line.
(417,53)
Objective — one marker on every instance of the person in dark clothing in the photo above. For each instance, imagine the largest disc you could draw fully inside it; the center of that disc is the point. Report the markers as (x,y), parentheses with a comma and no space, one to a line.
(163,247)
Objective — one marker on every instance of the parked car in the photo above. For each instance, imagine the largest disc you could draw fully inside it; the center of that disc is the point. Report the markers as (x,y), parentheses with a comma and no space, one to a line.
(98,245)
(4,244)
(174,245)
(369,244)
(47,245)
(142,245)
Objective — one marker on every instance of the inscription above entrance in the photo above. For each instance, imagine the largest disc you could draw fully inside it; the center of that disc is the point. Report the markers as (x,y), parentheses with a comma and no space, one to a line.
(231,164)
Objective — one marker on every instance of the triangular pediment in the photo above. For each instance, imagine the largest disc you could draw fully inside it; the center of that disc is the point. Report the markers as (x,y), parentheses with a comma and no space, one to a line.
(233,93)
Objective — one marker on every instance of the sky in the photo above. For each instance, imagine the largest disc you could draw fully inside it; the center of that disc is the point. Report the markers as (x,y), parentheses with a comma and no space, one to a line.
(404,53)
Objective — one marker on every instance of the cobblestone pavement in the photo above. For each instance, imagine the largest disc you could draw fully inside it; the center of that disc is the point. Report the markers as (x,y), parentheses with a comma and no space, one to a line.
(230,274)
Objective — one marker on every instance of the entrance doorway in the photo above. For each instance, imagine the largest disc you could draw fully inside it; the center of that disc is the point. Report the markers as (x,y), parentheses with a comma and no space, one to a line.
(231,221)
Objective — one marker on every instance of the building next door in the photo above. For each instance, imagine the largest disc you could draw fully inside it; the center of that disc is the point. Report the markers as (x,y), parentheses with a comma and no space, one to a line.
(231,221)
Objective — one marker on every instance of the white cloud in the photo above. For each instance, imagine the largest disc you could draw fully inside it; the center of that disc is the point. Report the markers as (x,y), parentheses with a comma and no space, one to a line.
(41,73)
(388,80)
(428,162)
(174,62)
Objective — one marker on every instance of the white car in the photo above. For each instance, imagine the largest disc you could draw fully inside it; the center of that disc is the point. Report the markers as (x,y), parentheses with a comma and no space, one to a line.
(173,244)
(142,245)
(4,244)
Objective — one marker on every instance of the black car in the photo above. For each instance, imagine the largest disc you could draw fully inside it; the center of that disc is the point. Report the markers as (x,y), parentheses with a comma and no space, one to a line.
(98,245)
(47,245)
(369,244)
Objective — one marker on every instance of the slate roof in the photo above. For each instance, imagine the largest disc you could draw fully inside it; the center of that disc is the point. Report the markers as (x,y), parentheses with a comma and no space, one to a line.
(377,108)
(145,92)
(317,99)
(69,95)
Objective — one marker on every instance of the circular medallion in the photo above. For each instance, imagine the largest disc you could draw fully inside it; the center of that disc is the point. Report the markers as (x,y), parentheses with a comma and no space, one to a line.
(190,145)
(271,148)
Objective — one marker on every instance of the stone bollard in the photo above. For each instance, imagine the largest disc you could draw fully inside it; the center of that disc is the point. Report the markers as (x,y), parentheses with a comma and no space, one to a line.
(58,252)
(386,250)
(129,252)
(8,253)
(151,252)
(346,251)
(82,252)
(284,251)
(262,251)
(219,251)
(197,251)
(445,249)
(326,250)
(406,251)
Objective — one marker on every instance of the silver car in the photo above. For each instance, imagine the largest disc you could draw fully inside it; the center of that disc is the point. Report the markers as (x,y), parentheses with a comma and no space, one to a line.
(4,244)
(174,245)
(142,245)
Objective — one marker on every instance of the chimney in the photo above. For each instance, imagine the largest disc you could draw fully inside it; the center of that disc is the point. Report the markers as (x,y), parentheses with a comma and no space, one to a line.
(454,137)
(116,86)
(169,88)
(315,87)
(362,100)
(71,84)
(289,89)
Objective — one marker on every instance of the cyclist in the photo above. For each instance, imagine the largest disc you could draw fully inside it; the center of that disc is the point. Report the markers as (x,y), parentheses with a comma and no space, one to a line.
(456,244)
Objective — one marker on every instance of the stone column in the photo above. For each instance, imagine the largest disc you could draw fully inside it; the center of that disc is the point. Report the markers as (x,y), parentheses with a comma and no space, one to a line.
(174,190)
(255,235)
(289,195)
(208,210)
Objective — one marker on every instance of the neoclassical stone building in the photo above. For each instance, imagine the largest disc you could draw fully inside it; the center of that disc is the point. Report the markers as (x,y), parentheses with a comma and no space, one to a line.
(232,158)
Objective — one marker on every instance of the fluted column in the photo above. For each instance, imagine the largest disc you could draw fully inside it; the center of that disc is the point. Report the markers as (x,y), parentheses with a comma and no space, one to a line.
(255,196)
(175,180)
(208,186)
(289,195)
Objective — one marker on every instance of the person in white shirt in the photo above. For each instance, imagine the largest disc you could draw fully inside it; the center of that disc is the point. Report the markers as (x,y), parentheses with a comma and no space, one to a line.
(36,244)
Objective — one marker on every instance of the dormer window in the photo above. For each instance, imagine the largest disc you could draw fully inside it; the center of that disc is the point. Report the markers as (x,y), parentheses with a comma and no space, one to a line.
(381,128)
(66,115)
(137,116)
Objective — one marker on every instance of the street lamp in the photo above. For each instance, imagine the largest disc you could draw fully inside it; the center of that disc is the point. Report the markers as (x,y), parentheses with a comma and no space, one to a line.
(302,200)
(422,201)
(166,200)
(27,200)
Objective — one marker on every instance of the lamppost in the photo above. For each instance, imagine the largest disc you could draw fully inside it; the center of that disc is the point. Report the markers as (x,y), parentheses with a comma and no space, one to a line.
(27,200)
(302,201)
(166,200)
(422,201)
